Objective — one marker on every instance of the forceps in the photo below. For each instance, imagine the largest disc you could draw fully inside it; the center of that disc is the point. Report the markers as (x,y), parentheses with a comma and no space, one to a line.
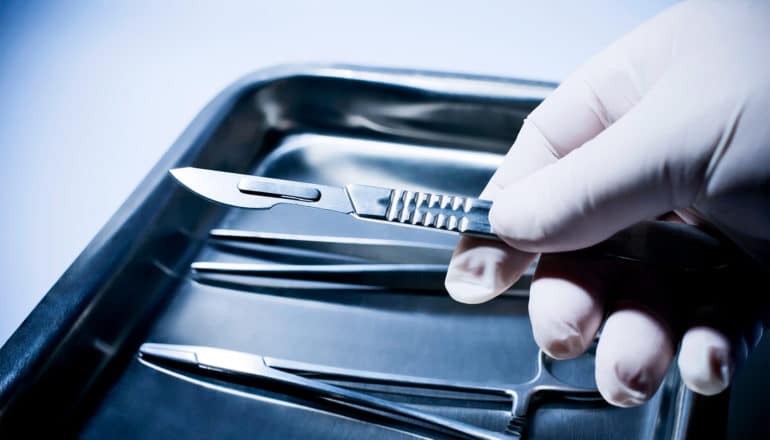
(306,378)
(664,244)
(358,249)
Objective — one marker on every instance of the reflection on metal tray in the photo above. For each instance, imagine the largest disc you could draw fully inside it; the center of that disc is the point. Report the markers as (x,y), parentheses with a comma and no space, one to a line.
(354,388)
(331,125)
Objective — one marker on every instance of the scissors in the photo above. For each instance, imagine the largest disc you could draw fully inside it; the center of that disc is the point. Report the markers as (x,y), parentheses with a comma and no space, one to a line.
(669,245)
(308,380)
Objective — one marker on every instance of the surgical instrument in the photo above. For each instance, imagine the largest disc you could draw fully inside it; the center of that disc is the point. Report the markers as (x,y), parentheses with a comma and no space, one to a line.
(307,378)
(425,277)
(670,245)
(362,248)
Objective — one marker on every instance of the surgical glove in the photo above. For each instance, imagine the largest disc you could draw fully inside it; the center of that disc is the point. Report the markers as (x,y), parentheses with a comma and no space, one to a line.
(672,117)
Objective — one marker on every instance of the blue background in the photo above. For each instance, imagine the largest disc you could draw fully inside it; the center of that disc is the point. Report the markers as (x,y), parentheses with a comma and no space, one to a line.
(93,93)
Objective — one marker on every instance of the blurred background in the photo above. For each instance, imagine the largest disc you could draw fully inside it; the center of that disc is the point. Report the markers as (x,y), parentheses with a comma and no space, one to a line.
(93,93)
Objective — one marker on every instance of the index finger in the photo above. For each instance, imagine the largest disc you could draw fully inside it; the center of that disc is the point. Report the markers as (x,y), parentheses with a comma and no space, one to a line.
(590,100)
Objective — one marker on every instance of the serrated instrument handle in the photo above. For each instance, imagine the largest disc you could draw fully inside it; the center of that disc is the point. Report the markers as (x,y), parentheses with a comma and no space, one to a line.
(665,244)
(466,215)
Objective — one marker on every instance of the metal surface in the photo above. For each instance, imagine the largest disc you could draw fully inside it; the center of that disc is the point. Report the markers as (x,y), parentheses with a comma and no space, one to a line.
(448,212)
(396,276)
(235,364)
(414,277)
(440,211)
(671,245)
(388,263)
(520,396)
(279,188)
(239,190)
(73,365)
(366,249)
(253,366)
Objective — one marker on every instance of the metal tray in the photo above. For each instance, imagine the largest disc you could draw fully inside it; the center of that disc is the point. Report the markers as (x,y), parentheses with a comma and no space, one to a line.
(73,362)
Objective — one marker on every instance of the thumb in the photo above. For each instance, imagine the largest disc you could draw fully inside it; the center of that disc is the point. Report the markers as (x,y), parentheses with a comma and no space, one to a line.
(638,168)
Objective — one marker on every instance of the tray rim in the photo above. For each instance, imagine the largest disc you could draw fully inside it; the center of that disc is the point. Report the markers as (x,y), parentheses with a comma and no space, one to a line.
(44,331)
(52,318)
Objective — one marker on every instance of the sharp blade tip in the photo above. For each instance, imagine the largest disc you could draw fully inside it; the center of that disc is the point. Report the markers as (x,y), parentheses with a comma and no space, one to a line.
(178,173)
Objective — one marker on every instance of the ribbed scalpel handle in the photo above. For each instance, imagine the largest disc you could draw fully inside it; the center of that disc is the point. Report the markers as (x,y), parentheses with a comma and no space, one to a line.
(669,245)
(449,212)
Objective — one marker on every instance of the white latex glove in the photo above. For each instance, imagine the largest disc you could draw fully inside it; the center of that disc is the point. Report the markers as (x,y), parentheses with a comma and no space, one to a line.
(675,116)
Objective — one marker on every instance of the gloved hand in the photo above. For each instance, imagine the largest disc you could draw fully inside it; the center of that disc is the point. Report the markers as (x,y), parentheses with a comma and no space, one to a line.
(672,117)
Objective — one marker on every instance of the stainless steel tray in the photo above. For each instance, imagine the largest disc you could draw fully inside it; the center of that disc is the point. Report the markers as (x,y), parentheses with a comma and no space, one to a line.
(331,125)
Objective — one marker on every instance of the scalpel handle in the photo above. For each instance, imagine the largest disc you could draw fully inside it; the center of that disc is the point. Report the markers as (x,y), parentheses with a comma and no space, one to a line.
(465,215)
(669,245)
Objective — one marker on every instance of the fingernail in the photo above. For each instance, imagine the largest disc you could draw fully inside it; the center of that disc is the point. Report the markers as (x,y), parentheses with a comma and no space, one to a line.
(561,340)
(709,374)
(721,369)
(626,387)
(473,278)
(564,316)
(727,373)
(628,397)
(706,367)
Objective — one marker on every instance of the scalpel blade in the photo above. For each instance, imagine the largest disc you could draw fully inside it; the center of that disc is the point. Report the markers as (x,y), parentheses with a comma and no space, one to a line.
(436,211)
(672,245)
(246,191)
